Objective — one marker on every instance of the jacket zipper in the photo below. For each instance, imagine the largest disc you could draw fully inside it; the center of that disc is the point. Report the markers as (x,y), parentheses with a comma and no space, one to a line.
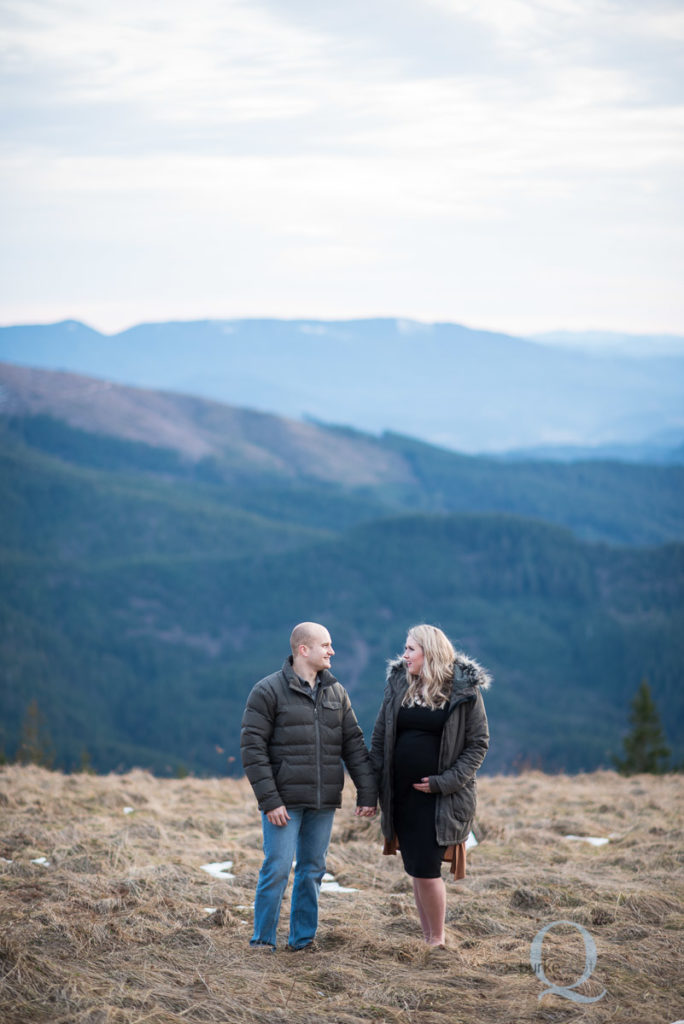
(317,742)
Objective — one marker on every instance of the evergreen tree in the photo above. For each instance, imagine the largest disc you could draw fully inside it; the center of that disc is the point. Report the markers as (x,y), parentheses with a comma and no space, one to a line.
(644,746)
(35,746)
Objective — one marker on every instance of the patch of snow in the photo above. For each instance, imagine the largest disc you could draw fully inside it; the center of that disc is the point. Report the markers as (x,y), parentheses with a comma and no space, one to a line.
(128,810)
(412,327)
(329,884)
(219,870)
(5,861)
(316,329)
(594,840)
(41,860)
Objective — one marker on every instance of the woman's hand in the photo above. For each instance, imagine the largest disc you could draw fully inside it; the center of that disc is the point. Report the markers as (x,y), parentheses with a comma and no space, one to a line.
(423,785)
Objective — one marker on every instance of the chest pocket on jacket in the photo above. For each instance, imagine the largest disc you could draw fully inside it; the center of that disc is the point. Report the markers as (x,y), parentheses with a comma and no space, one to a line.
(331,709)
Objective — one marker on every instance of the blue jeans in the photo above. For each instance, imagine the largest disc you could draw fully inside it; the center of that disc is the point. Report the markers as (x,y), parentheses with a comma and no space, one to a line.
(305,837)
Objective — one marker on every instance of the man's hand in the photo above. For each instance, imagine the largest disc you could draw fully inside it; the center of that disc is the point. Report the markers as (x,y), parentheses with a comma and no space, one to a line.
(278,816)
(423,785)
(364,812)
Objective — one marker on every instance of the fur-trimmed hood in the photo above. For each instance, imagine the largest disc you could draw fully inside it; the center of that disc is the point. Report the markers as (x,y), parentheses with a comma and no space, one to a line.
(468,673)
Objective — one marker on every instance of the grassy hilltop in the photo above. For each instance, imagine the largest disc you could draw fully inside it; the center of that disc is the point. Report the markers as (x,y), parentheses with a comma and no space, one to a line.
(114,928)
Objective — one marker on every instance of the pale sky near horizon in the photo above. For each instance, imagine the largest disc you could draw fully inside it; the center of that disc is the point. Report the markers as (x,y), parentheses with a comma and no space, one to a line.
(506,164)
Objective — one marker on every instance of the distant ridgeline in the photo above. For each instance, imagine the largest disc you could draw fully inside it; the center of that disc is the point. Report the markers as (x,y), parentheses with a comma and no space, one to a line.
(467,390)
(157,549)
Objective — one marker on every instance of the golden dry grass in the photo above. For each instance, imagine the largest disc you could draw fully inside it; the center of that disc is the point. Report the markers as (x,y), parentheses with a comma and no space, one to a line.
(114,930)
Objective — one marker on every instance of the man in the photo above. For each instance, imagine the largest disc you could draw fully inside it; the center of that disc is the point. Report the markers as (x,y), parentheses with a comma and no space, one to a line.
(297,729)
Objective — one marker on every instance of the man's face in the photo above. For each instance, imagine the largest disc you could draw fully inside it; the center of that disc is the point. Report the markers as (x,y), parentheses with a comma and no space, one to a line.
(320,651)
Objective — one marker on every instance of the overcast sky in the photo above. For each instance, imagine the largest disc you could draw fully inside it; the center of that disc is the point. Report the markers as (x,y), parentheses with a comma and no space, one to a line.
(511,164)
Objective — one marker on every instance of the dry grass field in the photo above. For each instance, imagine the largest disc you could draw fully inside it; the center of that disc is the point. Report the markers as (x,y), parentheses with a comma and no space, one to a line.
(112,926)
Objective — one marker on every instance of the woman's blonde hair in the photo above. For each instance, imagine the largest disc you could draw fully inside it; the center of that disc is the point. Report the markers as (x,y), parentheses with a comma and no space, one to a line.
(433,686)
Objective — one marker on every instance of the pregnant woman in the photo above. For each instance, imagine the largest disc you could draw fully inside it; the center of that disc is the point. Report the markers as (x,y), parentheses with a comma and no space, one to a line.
(430,737)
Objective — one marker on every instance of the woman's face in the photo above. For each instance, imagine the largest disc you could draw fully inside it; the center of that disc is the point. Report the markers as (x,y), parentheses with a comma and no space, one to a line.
(413,656)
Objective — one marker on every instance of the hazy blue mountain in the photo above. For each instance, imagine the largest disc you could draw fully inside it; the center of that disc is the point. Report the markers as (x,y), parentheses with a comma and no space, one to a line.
(666,448)
(466,390)
(633,345)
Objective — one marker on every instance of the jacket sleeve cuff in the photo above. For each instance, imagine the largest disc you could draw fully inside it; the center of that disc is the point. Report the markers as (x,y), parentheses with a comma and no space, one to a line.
(270,803)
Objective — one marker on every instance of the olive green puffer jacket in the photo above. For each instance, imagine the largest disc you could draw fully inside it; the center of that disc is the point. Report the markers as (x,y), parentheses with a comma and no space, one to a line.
(465,739)
(293,749)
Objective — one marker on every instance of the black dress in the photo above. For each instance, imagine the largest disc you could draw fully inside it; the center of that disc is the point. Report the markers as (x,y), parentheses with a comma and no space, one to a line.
(416,754)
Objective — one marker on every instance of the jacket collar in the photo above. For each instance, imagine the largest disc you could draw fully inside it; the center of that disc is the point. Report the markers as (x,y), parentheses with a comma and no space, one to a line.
(326,677)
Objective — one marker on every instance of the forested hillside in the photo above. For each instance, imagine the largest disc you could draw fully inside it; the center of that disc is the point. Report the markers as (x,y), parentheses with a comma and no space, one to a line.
(167,445)
(145,588)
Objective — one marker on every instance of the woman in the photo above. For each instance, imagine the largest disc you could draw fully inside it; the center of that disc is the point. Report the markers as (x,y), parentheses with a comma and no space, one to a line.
(430,737)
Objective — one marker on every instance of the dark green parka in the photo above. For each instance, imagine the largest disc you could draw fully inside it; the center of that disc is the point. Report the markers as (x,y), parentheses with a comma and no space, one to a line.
(465,739)
(293,748)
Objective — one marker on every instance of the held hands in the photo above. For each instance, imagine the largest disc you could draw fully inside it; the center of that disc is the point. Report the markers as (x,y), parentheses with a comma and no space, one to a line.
(278,816)
(423,785)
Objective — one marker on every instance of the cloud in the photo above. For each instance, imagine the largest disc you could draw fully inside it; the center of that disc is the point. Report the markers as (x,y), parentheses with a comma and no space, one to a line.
(179,76)
(336,144)
(533,83)
(235,77)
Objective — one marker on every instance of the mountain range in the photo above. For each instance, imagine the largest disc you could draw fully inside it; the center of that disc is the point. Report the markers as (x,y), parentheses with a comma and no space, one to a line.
(466,390)
(156,548)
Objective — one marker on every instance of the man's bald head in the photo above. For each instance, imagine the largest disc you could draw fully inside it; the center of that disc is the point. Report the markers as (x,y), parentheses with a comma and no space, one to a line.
(307,634)
(312,650)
